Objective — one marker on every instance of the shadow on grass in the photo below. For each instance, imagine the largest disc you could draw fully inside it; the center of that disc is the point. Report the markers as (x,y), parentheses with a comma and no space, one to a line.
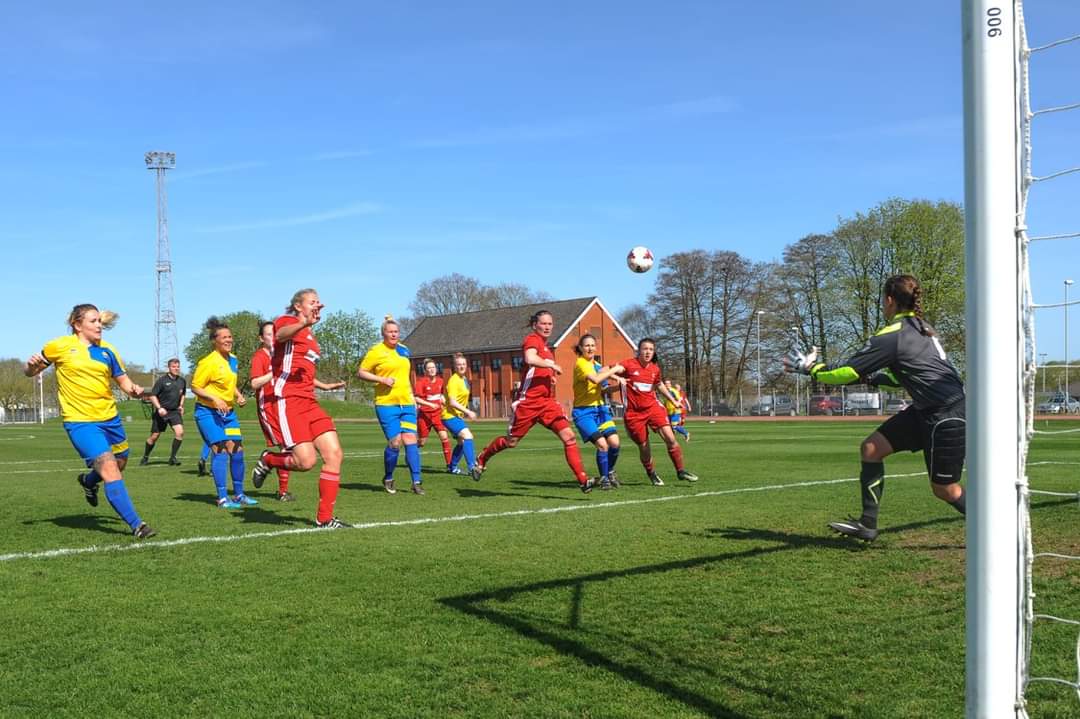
(471,492)
(93,522)
(476,605)
(249,515)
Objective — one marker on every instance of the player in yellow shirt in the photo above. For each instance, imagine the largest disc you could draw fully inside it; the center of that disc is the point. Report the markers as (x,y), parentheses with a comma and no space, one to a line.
(455,409)
(591,414)
(674,407)
(85,365)
(214,385)
(387,364)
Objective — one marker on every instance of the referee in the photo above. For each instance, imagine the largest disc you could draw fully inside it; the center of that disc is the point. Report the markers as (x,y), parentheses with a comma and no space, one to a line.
(167,396)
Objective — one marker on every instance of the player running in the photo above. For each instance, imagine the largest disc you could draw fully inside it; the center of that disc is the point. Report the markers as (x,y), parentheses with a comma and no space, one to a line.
(644,412)
(297,423)
(387,365)
(84,366)
(536,403)
(674,407)
(455,410)
(906,354)
(214,385)
(591,414)
(262,383)
(167,397)
(428,393)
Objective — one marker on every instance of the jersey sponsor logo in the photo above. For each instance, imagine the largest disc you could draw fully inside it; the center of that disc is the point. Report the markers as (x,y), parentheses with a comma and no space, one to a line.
(643,386)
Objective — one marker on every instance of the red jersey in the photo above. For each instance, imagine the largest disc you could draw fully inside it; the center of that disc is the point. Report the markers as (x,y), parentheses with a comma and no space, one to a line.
(294,360)
(260,365)
(430,389)
(537,382)
(641,381)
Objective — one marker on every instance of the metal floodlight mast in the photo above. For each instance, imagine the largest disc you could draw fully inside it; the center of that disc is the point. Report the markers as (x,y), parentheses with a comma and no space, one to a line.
(166,344)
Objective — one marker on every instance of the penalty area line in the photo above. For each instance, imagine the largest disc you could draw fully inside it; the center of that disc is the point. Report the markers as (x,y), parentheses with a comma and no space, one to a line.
(164,544)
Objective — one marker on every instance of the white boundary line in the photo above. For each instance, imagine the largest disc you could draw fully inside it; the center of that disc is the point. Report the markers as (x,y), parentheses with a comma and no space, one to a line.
(101,549)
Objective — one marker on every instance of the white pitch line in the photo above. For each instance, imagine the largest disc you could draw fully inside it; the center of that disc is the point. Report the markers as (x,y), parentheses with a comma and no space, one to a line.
(101,549)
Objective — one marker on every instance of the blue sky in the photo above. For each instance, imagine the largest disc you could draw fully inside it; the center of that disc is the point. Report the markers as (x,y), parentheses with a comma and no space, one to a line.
(362,148)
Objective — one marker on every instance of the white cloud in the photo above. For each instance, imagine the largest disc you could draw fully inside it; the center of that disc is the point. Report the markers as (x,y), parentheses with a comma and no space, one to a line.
(353,210)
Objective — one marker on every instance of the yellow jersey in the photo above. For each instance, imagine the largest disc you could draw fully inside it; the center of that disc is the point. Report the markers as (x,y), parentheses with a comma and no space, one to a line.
(586,392)
(217,375)
(393,362)
(83,372)
(675,408)
(457,389)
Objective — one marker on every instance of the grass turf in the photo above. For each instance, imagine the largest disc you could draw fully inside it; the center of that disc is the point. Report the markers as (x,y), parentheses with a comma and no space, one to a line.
(523,598)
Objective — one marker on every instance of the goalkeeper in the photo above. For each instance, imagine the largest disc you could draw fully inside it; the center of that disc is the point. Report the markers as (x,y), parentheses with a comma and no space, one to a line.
(906,354)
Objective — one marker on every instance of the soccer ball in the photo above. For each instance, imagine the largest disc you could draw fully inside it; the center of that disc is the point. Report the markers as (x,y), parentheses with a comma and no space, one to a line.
(640,259)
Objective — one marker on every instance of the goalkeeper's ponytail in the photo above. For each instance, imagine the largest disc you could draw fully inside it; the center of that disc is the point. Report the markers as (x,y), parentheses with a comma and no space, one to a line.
(907,293)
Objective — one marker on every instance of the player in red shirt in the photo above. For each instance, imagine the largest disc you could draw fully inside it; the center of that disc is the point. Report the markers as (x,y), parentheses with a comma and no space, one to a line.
(428,393)
(644,411)
(297,423)
(536,403)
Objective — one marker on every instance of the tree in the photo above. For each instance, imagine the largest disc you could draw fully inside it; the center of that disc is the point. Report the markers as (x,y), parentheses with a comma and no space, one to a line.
(637,321)
(245,331)
(451,294)
(16,389)
(344,338)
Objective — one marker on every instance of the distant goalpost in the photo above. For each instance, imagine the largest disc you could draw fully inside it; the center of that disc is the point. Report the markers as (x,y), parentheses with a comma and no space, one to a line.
(1000,345)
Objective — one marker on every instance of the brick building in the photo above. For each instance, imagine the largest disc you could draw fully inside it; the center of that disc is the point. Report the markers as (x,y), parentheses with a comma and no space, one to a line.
(491,340)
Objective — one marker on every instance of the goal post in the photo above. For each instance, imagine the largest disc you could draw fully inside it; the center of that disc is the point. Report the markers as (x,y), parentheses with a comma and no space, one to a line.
(995,359)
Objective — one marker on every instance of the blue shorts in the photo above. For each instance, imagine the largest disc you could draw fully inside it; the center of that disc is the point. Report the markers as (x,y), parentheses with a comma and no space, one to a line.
(675,418)
(454,425)
(396,419)
(93,439)
(593,422)
(217,427)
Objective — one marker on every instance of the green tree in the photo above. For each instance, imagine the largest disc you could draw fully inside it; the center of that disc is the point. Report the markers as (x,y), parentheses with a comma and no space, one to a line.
(245,331)
(16,389)
(344,338)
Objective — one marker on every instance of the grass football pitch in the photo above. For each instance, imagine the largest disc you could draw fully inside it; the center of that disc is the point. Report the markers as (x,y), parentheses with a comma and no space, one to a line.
(517,596)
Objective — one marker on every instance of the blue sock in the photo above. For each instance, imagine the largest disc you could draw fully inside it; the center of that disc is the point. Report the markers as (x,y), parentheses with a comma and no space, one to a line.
(455,457)
(602,462)
(470,453)
(681,430)
(236,468)
(205,451)
(390,456)
(219,467)
(412,458)
(91,478)
(612,456)
(118,497)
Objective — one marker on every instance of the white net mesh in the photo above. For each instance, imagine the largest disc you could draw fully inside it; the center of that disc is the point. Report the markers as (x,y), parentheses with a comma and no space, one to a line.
(1030,618)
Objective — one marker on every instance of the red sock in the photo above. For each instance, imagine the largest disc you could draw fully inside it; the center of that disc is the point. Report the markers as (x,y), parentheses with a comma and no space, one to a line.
(446,450)
(497,445)
(329,482)
(675,453)
(573,458)
(279,460)
(282,481)
(648,465)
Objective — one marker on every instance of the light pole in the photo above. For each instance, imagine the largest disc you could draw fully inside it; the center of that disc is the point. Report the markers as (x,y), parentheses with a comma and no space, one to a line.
(798,389)
(759,314)
(1042,355)
(1067,284)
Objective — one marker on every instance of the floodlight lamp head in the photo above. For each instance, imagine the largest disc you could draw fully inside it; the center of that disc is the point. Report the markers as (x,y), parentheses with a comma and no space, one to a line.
(1068,282)
(156,160)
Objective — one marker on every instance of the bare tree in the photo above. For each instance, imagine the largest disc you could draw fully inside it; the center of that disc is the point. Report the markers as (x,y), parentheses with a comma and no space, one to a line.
(511,294)
(447,295)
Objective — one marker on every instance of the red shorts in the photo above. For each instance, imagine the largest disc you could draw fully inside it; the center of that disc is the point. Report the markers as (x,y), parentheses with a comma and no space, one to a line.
(639,422)
(425,421)
(294,420)
(528,412)
(267,432)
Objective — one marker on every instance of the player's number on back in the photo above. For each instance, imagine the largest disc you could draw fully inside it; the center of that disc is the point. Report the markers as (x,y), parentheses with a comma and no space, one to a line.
(993,22)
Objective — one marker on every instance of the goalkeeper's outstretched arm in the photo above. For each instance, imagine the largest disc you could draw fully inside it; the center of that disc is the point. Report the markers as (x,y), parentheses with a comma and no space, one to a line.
(878,354)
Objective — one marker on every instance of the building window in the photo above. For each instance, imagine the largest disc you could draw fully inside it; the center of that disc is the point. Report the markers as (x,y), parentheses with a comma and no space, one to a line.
(477,365)
(420,368)
(438,366)
(517,362)
(496,363)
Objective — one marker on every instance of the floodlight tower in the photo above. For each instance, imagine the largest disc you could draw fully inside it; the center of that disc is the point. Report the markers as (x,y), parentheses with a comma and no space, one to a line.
(166,345)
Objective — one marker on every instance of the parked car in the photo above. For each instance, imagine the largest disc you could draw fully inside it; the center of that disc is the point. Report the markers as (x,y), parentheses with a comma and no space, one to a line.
(826,404)
(896,404)
(774,406)
(720,409)
(1059,404)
